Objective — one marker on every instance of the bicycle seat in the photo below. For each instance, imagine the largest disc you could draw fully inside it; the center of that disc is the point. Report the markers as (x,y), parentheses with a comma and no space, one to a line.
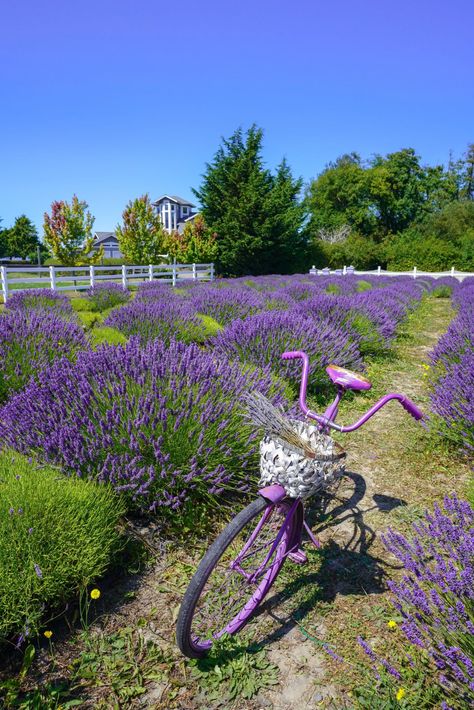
(348,379)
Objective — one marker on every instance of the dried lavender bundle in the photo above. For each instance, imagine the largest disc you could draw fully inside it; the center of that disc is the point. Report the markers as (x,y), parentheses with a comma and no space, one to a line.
(260,411)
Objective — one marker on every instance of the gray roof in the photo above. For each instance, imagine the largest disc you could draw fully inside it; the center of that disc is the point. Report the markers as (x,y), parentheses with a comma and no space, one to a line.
(174,198)
(104,236)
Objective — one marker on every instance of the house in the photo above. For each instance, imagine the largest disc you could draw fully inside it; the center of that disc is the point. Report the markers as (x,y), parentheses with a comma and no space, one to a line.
(110,243)
(174,212)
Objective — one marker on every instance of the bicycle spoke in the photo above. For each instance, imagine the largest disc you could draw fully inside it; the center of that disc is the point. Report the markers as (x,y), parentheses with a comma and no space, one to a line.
(228,593)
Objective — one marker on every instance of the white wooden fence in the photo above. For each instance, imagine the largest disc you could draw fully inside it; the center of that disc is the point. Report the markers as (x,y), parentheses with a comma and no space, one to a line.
(77,278)
(414,273)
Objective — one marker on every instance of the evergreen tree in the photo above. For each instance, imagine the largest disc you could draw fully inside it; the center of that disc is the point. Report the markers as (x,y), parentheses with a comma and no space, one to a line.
(22,239)
(141,236)
(467,189)
(257,216)
(3,240)
(68,233)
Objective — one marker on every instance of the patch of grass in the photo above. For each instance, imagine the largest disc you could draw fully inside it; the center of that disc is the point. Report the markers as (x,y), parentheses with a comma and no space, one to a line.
(107,335)
(333,288)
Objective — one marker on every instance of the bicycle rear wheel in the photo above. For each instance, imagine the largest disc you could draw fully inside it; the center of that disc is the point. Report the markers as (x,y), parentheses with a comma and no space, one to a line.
(235,574)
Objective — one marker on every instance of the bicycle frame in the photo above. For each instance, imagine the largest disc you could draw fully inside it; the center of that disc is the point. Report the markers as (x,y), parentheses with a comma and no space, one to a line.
(275,493)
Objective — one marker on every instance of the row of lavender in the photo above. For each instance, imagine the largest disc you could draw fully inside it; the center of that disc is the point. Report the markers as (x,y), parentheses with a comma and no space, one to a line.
(159,418)
(452,363)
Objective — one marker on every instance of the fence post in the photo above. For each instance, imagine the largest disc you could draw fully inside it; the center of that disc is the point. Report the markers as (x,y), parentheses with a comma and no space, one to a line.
(52,277)
(150,272)
(124,276)
(414,272)
(174,274)
(378,270)
(194,272)
(344,270)
(92,275)
(452,271)
(212,272)
(4,275)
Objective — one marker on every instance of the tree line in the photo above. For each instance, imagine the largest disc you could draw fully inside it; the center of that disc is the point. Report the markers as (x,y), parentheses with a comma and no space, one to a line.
(388,210)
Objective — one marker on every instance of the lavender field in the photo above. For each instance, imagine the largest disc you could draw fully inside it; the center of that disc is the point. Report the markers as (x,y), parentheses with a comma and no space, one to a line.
(138,396)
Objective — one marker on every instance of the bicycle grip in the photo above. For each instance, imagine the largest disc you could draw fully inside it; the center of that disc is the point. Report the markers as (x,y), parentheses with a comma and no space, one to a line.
(411,408)
(291,355)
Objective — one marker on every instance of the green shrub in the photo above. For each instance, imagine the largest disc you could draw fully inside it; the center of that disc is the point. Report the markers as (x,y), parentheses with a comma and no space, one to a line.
(56,536)
(211,326)
(108,335)
(89,319)
(363,286)
(442,292)
(81,304)
(333,288)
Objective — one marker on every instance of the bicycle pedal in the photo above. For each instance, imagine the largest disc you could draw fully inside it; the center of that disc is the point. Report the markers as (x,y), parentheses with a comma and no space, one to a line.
(298,557)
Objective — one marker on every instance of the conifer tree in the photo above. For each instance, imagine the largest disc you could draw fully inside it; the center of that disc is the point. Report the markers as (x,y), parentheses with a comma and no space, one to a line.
(256,215)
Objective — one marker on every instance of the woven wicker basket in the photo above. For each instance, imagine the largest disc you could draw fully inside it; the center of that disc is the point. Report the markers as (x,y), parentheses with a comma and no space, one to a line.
(300,476)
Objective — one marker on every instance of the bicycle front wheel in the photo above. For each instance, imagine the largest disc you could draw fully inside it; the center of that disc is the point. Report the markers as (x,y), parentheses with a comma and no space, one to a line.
(235,574)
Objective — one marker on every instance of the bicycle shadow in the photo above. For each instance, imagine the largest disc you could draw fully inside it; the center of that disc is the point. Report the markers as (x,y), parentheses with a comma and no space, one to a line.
(343,566)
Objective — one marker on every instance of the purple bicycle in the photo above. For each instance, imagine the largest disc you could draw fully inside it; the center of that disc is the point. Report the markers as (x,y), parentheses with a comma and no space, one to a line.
(240,567)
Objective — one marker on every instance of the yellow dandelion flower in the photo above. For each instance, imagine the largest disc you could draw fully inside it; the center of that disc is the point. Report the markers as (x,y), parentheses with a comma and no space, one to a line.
(392,624)
(48,634)
(95,594)
(401,693)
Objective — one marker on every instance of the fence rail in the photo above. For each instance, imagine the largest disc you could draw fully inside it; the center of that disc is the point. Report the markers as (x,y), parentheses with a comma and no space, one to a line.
(80,278)
(414,273)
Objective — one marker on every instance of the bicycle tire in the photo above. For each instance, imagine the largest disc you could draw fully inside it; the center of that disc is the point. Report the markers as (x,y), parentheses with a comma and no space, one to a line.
(188,642)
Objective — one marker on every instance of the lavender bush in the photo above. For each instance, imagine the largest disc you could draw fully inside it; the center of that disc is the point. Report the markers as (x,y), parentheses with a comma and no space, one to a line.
(261,339)
(452,362)
(107,295)
(161,423)
(436,595)
(40,299)
(226,305)
(161,318)
(30,342)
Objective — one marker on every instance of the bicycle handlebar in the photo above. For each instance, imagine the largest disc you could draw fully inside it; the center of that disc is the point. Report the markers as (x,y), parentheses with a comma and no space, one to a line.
(406,403)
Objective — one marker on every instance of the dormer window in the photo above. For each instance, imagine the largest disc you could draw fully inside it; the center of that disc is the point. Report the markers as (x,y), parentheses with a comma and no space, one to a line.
(185,210)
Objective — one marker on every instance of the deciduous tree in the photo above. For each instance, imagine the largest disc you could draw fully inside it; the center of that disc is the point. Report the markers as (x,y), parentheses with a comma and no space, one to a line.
(196,244)
(141,236)
(68,233)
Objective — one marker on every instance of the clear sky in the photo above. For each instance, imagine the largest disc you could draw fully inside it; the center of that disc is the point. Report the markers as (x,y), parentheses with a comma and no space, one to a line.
(109,100)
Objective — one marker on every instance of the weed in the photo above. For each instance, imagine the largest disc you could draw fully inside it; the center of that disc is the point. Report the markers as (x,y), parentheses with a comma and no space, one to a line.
(233,670)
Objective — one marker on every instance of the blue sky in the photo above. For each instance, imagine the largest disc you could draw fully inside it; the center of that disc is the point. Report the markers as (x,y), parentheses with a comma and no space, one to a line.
(109,100)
